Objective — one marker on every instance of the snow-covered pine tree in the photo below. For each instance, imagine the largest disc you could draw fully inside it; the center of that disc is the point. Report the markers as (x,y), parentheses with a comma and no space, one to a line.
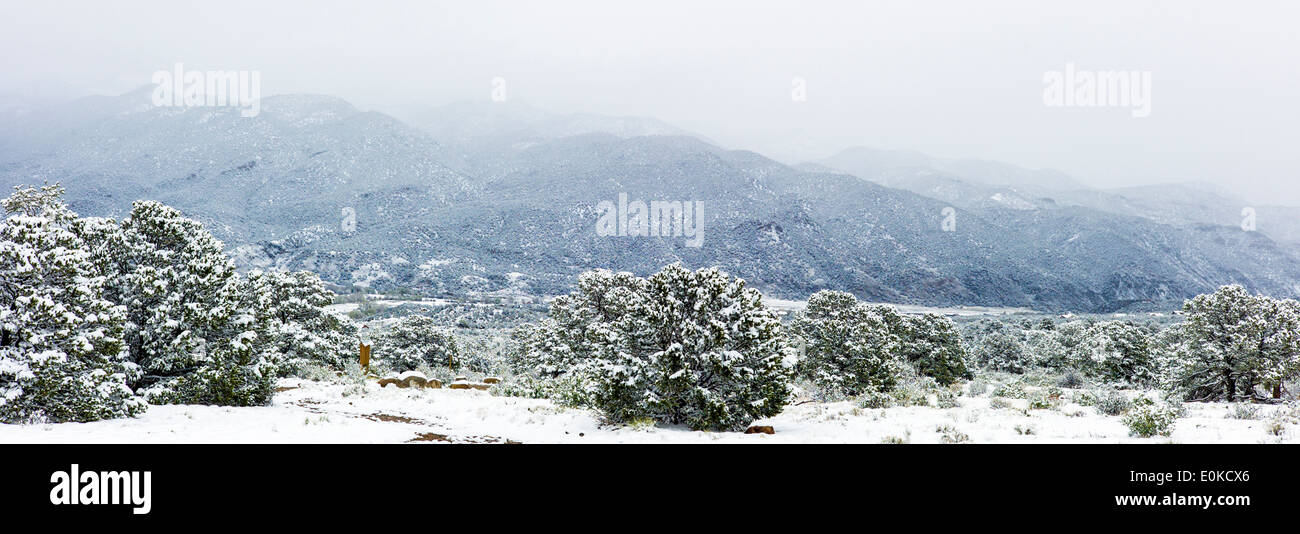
(849,348)
(288,309)
(932,344)
(582,325)
(1235,342)
(1118,352)
(185,324)
(417,340)
(1278,345)
(1004,350)
(61,353)
(696,348)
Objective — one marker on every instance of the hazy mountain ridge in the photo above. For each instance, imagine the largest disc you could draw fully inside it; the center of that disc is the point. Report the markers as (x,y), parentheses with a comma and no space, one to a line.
(511,208)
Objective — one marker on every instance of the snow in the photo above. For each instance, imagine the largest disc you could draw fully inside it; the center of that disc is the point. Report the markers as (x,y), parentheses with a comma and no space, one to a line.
(318,412)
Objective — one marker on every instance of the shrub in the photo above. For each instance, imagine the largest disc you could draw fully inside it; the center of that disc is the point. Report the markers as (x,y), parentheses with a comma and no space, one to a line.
(1111,402)
(1243,410)
(848,345)
(1147,418)
(999,403)
(876,400)
(1040,401)
(1011,390)
(417,340)
(1071,379)
(695,348)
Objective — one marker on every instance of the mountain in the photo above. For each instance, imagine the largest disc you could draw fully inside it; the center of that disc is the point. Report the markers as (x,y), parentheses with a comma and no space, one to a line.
(980,185)
(514,210)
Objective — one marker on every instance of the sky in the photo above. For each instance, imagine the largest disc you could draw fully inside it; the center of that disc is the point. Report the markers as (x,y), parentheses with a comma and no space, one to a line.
(947,78)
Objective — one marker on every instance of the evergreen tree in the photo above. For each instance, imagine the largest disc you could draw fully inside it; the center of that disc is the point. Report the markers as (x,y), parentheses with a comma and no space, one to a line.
(1236,342)
(186,326)
(932,344)
(696,348)
(417,340)
(288,310)
(61,356)
(850,347)
(1119,352)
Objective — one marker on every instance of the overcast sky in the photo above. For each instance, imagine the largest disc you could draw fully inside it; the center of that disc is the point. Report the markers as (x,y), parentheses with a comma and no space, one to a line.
(953,79)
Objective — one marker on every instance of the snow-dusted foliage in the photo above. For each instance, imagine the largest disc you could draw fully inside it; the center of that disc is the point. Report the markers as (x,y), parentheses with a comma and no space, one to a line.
(1233,344)
(849,347)
(186,327)
(932,344)
(289,311)
(61,353)
(1004,350)
(696,348)
(1116,352)
(417,340)
(1119,353)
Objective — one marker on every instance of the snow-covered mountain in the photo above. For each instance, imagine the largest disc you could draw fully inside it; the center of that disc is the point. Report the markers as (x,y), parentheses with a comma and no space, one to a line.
(481,204)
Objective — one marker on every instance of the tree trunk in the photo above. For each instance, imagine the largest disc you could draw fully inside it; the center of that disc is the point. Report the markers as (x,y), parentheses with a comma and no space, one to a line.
(1277,390)
(1232,386)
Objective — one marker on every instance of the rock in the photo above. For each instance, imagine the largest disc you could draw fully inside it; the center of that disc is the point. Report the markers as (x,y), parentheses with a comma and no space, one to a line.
(433,383)
(760,429)
(463,384)
(491,380)
(386,381)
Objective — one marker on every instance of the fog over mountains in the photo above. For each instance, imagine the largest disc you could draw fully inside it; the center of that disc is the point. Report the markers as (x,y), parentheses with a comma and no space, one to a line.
(496,197)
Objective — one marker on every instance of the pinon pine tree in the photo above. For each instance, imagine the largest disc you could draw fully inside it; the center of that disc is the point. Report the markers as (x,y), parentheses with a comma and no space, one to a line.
(1120,353)
(186,327)
(61,356)
(696,348)
(417,340)
(849,347)
(1236,342)
(932,344)
(288,310)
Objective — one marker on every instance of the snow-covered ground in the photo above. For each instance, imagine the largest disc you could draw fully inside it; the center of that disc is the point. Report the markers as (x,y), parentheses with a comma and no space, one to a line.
(317,412)
(787,305)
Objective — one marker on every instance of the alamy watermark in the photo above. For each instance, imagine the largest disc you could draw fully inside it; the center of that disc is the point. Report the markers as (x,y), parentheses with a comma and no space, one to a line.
(215,88)
(77,487)
(1103,88)
(658,218)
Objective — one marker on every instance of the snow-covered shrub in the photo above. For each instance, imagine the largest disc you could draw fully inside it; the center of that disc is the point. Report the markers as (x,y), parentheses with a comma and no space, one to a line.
(188,327)
(289,313)
(946,399)
(1071,379)
(417,340)
(237,375)
(1042,400)
(1012,390)
(852,347)
(1110,402)
(1118,353)
(876,400)
(1232,345)
(977,387)
(999,403)
(932,344)
(1149,418)
(696,348)
(1243,410)
(61,351)
(915,390)
(1003,351)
